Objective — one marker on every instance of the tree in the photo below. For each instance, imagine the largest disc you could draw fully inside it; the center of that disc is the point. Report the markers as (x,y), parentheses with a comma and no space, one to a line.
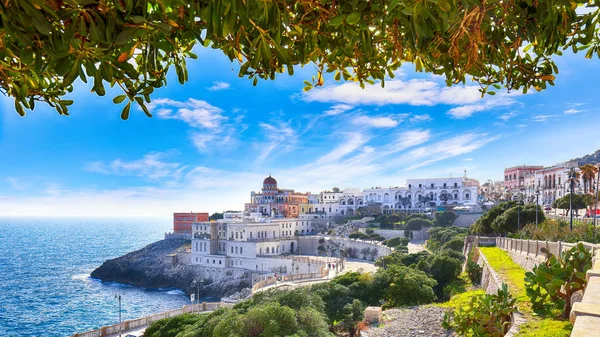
(353,313)
(483,225)
(424,200)
(365,251)
(508,221)
(133,44)
(577,201)
(373,252)
(336,190)
(445,197)
(405,201)
(445,219)
(405,286)
(588,173)
(216,216)
(442,268)
(355,235)
(417,224)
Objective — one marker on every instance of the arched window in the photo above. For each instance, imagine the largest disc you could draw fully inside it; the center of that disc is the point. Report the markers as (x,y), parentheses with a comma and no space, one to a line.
(267,250)
(241,250)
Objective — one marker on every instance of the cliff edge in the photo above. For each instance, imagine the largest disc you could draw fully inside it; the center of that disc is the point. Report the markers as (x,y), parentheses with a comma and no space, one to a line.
(148,268)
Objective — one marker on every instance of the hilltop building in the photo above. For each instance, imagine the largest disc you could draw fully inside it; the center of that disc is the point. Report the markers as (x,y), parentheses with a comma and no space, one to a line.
(275,202)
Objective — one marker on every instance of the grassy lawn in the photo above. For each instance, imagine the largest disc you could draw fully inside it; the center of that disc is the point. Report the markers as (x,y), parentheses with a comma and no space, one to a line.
(539,324)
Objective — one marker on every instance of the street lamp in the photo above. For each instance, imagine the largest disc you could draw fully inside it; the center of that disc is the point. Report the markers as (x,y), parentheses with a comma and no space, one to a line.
(120,326)
(198,282)
(537,205)
(571,181)
(519,214)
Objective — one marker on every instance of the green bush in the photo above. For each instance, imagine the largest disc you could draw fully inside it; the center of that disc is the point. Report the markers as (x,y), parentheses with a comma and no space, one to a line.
(444,219)
(474,271)
(487,315)
(438,236)
(403,286)
(553,282)
(416,224)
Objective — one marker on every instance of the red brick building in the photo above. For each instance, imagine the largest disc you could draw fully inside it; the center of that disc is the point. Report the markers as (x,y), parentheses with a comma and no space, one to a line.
(182,222)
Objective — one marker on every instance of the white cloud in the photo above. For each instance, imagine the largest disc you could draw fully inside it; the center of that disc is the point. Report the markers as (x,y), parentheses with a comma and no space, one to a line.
(420,118)
(488,103)
(151,166)
(572,111)
(196,113)
(219,86)
(201,140)
(18,184)
(507,115)
(542,118)
(459,145)
(376,122)
(350,143)
(468,159)
(281,138)
(338,109)
(413,92)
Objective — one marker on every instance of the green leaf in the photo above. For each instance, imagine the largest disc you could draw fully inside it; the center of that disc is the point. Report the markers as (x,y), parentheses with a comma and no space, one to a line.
(336,21)
(353,18)
(125,112)
(119,99)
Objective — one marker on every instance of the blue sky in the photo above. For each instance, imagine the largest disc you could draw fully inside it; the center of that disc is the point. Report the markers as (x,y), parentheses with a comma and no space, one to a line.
(215,138)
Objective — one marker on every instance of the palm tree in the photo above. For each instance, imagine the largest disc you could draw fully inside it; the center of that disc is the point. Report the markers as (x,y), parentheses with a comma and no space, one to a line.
(588,172)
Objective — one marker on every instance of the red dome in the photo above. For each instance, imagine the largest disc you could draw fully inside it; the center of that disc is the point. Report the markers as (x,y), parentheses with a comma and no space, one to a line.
(270,181)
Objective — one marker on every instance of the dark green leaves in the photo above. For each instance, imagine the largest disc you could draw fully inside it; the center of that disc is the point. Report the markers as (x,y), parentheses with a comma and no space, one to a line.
(125,112)
(134,44)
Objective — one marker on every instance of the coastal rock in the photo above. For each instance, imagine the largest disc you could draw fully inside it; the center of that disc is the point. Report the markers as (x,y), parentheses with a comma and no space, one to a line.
(148,268)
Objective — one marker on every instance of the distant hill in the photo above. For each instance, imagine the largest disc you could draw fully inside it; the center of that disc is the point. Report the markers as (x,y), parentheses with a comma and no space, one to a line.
(588,159)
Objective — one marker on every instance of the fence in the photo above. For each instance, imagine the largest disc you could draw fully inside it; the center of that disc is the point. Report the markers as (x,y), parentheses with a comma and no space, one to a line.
(145,321)
(273,280)
(532,247)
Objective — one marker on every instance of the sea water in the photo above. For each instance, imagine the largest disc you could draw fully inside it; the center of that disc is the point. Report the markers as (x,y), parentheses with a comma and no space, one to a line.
(45,263)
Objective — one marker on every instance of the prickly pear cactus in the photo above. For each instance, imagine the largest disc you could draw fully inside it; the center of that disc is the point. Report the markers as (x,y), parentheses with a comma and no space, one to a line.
(553,282)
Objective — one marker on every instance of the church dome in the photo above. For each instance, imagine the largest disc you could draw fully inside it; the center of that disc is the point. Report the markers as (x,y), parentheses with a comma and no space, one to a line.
(270,181)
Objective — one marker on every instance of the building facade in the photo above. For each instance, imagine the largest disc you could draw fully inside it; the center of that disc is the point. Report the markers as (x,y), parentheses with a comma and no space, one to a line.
(274,202)
(544,184)
(182,222)
(240,242)
(514,176)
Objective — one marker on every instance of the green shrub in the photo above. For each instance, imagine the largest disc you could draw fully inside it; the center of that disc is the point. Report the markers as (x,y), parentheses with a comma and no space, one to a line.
(474,271)
(416,224)
(553,282)
(487,315)
(444,219)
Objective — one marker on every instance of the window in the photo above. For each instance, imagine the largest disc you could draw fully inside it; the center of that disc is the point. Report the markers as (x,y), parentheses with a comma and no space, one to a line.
(273,233)
(467,196)
(409,185)
(232,250)
(196,246)
(236,250)
(196,259)
(444,185)
(432,185)
(213,261)
(250,235)
(455,196)
(455,184)
(420,185)
(219,261)
(241,250)
(236,235)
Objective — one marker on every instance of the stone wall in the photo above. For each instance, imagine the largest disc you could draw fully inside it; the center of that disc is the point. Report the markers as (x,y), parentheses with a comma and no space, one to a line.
(490,281)
(466,220)
(420,235)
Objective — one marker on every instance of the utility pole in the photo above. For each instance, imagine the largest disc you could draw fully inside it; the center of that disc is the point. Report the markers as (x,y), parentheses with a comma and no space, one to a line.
(519,214)
(537,205)
(596,192)
(571,173)
(120,326)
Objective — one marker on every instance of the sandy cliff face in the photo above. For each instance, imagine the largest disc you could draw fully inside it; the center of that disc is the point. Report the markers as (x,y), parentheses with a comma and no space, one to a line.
(148,268)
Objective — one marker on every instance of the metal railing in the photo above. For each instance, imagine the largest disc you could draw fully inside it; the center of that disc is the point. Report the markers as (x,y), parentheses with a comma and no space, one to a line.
(532,247)
(144,321)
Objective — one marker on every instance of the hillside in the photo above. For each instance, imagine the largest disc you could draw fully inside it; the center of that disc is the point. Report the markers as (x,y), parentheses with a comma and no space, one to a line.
(588,159)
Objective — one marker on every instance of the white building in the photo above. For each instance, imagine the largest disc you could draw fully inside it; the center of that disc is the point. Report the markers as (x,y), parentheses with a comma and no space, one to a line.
(417,194)
(238,243)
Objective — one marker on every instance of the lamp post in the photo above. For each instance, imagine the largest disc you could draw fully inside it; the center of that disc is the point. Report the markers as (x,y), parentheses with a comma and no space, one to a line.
(596,199)
(519,214)
(120,326)
(537,205)
(571,174)
(198,282)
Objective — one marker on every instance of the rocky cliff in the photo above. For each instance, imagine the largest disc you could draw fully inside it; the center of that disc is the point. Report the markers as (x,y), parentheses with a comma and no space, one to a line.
(148,268)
